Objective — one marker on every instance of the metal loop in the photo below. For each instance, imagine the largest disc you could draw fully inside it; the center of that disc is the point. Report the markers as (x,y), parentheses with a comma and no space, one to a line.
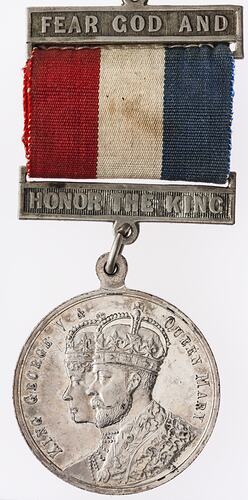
(125,234)
(116,280)
(133,232)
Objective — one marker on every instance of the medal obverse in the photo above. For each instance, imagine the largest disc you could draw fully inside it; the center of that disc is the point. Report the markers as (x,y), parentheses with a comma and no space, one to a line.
(116,391)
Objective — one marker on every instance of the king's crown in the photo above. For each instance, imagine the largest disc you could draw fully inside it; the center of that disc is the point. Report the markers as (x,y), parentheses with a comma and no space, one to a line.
(131,338)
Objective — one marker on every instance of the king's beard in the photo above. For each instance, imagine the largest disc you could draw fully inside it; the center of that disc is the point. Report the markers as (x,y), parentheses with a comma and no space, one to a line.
(109,415)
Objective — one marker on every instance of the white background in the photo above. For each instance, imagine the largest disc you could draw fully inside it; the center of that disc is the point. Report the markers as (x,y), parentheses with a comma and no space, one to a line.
(201,269)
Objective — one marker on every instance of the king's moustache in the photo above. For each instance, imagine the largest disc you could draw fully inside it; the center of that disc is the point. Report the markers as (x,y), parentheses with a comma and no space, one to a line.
(97,403)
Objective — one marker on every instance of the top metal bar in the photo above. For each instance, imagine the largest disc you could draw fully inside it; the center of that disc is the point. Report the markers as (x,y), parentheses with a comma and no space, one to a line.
(136,23)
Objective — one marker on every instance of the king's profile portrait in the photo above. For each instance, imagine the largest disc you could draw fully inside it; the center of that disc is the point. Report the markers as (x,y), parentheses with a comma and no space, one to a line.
(112,364)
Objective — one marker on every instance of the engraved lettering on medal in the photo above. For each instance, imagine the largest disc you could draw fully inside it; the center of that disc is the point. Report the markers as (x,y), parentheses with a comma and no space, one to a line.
(32,374)
(221,23)
(155,24)
(200,204)
(80,313)
(31,399)
(80,201)
(47,342)
(202,381)
(36,421)
(108,202)
(117,201)
(91,23)
(51,201)
(173,204)
(171,326)
(31,387)
(125,23)
(65,200)
(69,25)
(216,205)
(147,203)
(95,201)
(36,200)
(131,203)
(74,26)
(36,363)
(59,25)
(137,23)
(60,324)
(202,23)
(45,23)
(51,448)
(185,25)
(119,24)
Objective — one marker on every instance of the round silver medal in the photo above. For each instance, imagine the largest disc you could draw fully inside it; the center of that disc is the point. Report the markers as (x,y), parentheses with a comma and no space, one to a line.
(116,391)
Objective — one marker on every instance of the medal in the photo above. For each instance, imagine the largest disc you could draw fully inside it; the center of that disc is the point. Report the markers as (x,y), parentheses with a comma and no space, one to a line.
(117,391)
(141,414)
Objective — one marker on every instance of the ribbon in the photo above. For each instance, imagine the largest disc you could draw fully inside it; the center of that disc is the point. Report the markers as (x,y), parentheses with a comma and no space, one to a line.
(129,112)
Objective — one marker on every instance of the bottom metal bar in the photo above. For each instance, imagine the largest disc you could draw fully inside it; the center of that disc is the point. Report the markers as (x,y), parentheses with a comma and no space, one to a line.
(209,204)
